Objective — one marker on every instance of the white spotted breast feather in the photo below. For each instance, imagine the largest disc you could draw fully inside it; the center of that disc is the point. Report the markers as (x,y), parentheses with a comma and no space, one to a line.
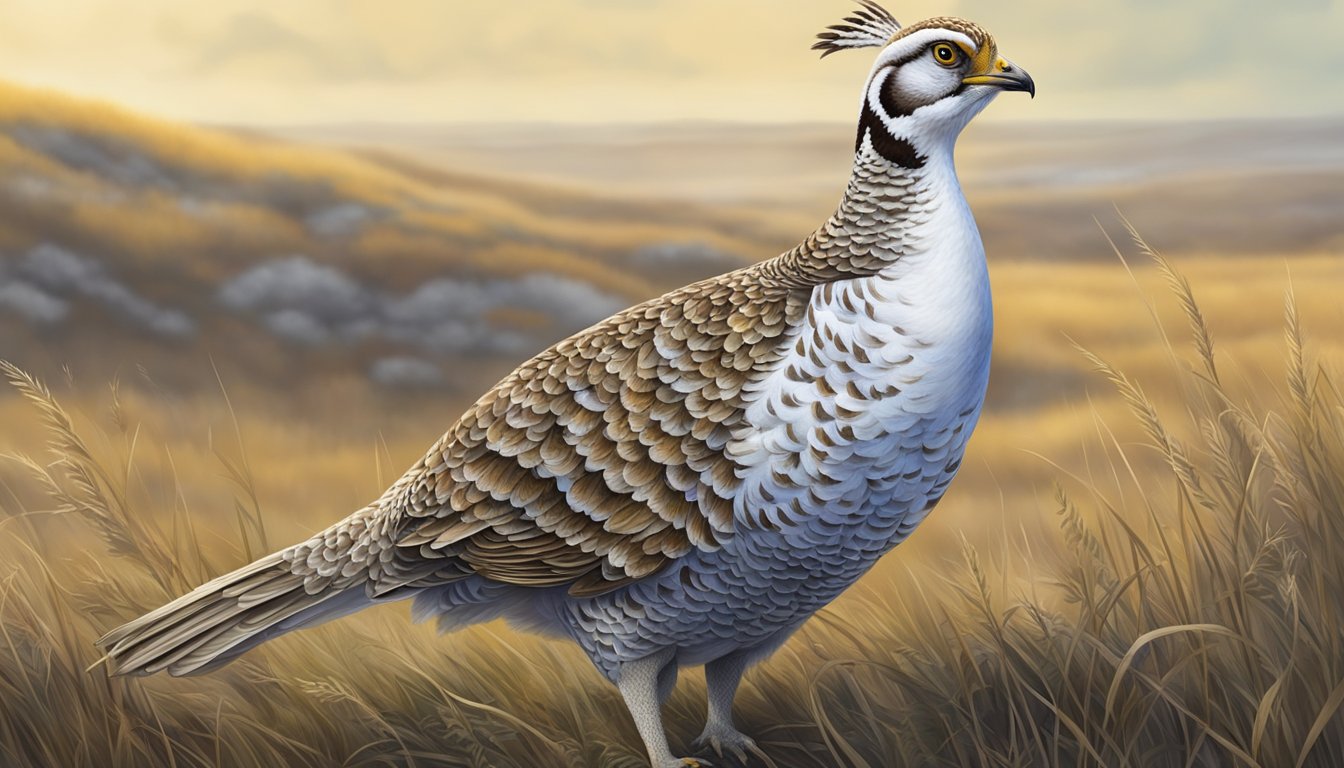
(864,422)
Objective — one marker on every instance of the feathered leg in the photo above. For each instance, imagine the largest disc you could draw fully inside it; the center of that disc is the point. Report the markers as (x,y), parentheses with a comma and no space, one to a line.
(638,682)
(722,677)
(667,681)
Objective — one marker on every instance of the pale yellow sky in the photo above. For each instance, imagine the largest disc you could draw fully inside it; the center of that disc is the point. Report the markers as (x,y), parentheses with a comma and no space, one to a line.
(313,61)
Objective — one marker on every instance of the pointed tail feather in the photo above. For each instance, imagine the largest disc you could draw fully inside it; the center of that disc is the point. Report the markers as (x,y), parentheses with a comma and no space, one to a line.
(218,621)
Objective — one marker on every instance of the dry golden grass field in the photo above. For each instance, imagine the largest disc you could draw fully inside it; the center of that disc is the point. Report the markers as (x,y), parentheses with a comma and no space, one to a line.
(221,341)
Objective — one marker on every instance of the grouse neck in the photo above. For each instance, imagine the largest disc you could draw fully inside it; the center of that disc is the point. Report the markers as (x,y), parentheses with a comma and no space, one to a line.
(928,217)
(881,216)
(889,191)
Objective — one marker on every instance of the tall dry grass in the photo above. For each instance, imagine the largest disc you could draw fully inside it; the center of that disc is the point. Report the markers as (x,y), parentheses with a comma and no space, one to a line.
(1187,617)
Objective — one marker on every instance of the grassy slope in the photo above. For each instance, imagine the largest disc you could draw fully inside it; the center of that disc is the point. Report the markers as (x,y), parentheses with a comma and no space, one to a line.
(173,211)
(238,166)
(1187,616)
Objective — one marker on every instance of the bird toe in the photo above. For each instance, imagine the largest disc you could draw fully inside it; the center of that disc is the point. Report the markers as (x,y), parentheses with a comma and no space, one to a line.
(733,744)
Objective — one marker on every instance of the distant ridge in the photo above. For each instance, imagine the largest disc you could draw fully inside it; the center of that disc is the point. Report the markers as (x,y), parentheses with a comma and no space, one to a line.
(169,238)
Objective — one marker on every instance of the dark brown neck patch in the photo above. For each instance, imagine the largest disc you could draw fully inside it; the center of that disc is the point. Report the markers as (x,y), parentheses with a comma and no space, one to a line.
(894,150)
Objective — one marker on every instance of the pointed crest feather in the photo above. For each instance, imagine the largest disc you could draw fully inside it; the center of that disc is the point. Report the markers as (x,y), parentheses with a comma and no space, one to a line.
(871,26)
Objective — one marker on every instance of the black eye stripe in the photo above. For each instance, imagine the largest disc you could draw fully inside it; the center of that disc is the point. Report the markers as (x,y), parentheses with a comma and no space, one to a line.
(891,103)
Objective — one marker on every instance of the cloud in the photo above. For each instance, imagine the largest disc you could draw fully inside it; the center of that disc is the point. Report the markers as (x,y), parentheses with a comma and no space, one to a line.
(425,41)
(50,272)
(33,303)
(306,302)
(341,221)
(1172,59)
(296,325)
(254,35)
(102,157)
(683,258)
(297,283)
(127,168)
(406,372)
(568,302)
(449,315)
(243,60)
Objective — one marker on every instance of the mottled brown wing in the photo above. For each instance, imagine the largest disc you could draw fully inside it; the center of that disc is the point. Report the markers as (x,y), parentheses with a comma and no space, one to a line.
(602,459)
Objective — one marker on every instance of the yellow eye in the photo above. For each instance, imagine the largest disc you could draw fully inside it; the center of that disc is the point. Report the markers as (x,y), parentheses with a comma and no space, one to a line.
(946,54)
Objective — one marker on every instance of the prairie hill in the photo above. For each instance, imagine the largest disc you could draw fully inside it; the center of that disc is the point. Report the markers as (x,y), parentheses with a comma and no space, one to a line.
(126,240)
(1230,188)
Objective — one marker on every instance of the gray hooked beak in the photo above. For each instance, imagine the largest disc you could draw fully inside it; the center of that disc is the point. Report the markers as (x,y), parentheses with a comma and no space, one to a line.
(1005,75)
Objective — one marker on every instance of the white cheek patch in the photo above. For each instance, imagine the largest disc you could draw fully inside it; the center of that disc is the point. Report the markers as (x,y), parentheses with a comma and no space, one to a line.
(924,81)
